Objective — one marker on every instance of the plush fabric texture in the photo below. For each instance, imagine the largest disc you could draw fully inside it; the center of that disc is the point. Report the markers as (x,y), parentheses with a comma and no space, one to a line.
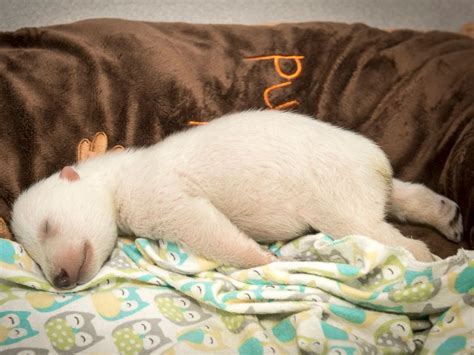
(412,92)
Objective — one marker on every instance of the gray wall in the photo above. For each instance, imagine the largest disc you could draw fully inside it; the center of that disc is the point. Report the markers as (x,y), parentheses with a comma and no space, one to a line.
(417,14)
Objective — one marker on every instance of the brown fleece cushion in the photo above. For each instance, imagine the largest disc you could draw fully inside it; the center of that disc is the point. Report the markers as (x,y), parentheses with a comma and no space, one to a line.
(411,92)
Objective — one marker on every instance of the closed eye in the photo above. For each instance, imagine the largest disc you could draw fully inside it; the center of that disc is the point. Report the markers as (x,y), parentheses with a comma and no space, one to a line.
(46,229)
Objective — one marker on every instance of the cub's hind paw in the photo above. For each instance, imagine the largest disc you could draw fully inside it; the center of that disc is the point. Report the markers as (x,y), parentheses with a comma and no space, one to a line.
(450,220)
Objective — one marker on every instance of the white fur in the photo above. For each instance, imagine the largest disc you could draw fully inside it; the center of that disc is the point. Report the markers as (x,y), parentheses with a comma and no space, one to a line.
(216,189)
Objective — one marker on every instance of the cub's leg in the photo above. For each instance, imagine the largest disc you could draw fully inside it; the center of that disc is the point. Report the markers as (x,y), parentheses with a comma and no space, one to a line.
(358,206)
(204,230)
(379,230)
(417,203)
(387,234)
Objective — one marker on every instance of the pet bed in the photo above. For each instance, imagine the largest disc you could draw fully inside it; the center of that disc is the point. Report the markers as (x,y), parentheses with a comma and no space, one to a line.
(412,92)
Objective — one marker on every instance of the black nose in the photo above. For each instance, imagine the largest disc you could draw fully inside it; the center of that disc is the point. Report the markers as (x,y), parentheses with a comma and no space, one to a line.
(62,279)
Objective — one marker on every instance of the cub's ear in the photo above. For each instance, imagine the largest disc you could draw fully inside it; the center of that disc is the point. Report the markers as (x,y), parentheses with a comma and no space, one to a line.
(69,174)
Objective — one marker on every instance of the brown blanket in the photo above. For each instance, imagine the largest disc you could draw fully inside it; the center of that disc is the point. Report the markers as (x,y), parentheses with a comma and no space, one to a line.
(411,92)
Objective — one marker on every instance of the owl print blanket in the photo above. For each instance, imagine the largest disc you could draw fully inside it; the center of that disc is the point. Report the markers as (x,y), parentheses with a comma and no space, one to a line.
(350,296)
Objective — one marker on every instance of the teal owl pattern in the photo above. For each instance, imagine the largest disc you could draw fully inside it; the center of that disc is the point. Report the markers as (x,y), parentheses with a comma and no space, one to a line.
(15,327)
(346,296)
(204,338)
(49,302)
(118,303)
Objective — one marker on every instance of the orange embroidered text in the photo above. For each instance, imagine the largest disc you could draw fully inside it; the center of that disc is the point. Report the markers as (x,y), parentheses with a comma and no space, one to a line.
(290,77)
(196,123)
(282,74)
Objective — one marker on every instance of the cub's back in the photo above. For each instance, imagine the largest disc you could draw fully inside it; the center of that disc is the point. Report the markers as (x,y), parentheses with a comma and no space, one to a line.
(260,168)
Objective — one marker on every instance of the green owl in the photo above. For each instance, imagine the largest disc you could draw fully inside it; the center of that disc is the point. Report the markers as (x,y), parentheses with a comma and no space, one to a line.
(180,309)
(416,293)
(6,294)
(391,272)
(142,336)
(234,322)
(450,320)
(72,332)
(395,336)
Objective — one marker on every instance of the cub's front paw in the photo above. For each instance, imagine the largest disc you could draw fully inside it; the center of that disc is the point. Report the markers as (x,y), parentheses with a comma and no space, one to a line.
(449,221)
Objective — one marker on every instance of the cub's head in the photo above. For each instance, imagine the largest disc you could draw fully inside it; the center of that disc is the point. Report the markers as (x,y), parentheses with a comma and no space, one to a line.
(67,225)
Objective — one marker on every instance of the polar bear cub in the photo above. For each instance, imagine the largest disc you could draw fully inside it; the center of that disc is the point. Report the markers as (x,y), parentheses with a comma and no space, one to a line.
(218,189)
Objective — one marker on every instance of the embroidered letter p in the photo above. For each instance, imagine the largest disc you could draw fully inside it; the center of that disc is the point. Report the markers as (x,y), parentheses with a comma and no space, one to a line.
(282,74)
